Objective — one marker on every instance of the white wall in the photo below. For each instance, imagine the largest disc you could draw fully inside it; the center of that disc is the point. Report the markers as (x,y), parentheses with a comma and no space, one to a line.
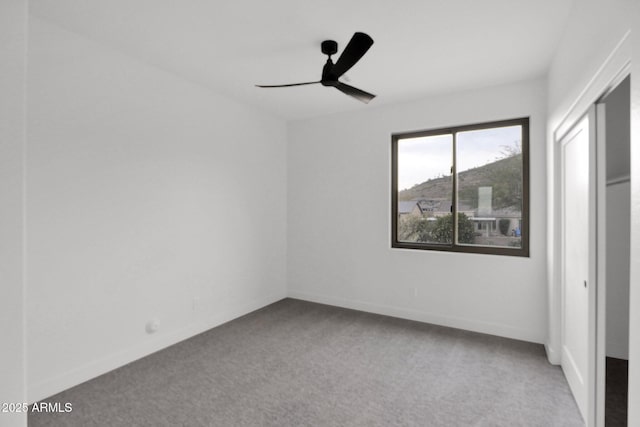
(148,197)
(339,220)
(13,44)
(618,223)
(618,129)
(594,29)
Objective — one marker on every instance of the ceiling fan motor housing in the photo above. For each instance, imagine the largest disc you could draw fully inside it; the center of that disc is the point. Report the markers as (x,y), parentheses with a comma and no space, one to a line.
(329,47)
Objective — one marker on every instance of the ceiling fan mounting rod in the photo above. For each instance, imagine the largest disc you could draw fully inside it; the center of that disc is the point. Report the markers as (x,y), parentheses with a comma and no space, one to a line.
(328,78)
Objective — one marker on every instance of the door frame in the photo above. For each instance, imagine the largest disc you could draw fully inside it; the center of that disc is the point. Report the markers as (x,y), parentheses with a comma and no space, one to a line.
(601,265)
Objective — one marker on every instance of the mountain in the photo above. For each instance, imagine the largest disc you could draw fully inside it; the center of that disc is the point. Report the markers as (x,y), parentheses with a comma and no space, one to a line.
(504,176)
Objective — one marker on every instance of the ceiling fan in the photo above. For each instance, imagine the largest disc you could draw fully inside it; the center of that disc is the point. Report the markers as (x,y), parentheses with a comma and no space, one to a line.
(356,48)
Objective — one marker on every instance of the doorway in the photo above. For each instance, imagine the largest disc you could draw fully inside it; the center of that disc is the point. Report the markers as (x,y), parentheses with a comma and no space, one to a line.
(617,105)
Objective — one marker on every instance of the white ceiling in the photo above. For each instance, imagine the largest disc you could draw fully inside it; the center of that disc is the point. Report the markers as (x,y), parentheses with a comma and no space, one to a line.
(421,47)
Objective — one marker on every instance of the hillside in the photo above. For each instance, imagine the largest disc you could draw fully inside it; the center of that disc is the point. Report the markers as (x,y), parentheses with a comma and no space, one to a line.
(504,175)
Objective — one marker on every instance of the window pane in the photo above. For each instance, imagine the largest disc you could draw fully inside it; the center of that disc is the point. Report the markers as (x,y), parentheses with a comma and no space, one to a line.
(425,189)
(489,177)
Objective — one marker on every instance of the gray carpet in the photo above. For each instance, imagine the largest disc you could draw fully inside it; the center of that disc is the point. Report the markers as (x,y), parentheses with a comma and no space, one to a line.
(296,363)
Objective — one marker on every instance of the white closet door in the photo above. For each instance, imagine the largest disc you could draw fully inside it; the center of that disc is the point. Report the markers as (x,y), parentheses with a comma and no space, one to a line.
(578,212)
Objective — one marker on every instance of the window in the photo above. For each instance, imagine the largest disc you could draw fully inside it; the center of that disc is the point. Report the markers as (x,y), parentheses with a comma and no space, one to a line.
(462,189)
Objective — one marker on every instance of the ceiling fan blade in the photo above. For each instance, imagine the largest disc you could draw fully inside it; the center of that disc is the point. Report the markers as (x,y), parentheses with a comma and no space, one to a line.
(356,48)
(292,84)
(358,94)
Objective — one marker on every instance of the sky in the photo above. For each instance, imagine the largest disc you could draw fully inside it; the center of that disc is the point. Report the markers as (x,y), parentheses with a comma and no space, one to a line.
(421,159)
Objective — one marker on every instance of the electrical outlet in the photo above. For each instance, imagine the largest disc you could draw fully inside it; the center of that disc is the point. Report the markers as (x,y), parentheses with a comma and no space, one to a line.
(152,326)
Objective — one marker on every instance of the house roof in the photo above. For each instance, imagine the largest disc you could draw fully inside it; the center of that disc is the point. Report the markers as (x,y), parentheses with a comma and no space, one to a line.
(444,205)
(406,206)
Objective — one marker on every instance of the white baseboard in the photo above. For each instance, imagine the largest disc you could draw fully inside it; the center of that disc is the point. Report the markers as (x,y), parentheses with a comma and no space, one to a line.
(113,361)
(497,329)
(552,356)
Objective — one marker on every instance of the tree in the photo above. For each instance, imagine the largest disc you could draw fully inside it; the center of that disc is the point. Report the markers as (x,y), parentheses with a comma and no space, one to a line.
(443,229)
(419,229)
(503,225)
(413,228)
